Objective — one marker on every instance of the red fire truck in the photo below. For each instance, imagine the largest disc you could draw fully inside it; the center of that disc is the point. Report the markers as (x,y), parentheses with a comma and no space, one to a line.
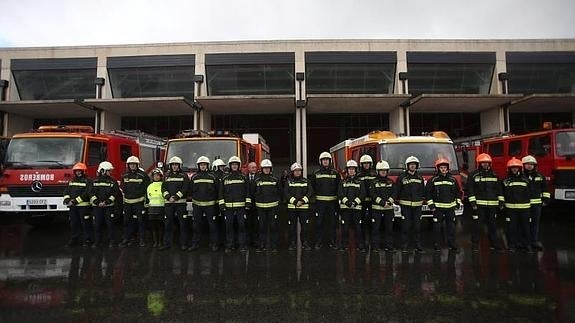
(38,165)
(553,148)
(385,145)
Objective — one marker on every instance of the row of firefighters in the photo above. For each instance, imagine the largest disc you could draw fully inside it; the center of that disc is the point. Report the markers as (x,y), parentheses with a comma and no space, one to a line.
(363,200)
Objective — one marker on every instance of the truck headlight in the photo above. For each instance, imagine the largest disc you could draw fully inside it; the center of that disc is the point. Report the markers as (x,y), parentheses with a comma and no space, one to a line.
(5,203)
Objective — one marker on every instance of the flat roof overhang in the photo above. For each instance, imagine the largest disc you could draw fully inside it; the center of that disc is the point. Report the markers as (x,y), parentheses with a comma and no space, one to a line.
(544,103)
(354,103)
(248,104)
(458,103)
(48,109)
(144,107)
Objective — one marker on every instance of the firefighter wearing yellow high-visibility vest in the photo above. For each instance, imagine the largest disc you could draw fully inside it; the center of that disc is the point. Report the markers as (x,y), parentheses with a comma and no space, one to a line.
(410,191)
(443,197)
(351,194)
(325,182)
(517,195)
(540,197)
(156,203)
(297,194)
(381,192)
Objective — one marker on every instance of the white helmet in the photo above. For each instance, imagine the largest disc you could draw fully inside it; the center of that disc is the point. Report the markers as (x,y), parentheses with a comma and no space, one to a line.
(323,155)
(382,165)
(203,159)
(295,166)
(104,166)
(133,160)
(218,162)
(266,163)
(157,171)
(529,160)
(234,159)
(175,160)
(351,163)
(411,159)
(365,159)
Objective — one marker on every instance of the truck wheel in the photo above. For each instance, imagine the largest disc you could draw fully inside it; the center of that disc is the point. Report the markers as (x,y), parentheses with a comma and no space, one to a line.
(40,221)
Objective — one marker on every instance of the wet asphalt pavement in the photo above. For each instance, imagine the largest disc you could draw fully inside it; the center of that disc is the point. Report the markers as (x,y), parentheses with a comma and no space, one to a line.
(42,281)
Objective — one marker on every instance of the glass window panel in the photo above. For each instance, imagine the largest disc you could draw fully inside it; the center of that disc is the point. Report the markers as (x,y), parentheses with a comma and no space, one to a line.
(152,81)
(256,79)
(450,78)
(541,78)
(514,148)
(350,78)
(496,150)
(55,84)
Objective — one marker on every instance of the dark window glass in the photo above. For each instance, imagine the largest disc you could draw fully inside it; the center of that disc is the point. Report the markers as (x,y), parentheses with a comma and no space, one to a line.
(454,124)
(496,149)
(97,152)
(55,84)
(350,78)
(541,78)
(125,152)
(540,146)
(514,148)
(152,81)
(257,79)
(456,78)
(565,144)
(527,122)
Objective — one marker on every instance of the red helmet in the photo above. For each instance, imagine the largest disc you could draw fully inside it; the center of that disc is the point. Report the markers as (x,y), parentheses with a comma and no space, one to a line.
(441,161)
(80,166)
(483,158)
(514,162)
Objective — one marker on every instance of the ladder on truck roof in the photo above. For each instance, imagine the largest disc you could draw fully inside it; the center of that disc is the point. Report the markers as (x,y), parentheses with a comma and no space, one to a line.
(141,137)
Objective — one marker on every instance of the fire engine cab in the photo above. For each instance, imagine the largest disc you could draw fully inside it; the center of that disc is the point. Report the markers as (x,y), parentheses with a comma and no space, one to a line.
(386,145)
(38,165)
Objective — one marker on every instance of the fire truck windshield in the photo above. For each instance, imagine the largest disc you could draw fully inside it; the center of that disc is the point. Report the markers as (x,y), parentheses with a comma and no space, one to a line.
(427,153)
(44,152)
(565,143)
(190,150)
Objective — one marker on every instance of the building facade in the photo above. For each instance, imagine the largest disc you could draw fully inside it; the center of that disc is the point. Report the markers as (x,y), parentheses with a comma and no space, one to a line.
(302,96)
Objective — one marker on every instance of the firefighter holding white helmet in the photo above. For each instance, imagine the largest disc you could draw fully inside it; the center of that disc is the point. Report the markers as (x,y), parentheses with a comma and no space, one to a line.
(175,190)
(104,192)
(325,182)
(351,195)
(297,193)
(134,185)
(410,191)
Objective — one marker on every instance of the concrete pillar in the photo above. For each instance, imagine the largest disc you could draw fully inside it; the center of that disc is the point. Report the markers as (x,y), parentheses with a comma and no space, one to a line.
(14,124)
(304,140)
(201,89)
(407,121)
(102,71)
(492,121)
(205,120)
(401,66)
(110,121)
(500,67)
(397,120)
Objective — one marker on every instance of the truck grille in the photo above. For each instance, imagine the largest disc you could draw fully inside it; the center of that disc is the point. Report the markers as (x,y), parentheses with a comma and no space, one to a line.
(564,178)
(26,191)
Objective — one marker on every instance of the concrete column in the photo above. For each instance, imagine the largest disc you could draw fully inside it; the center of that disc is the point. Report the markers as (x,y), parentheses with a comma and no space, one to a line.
(14,124)
(408,125)
(102,71)
(492,121)
(397,120)
(401,66)
(205,120)
(500,67)
(297,135)
(201,89)
(304,140)
(110,121)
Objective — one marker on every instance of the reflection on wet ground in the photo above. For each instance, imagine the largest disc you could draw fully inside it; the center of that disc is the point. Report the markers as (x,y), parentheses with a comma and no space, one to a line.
(41,281)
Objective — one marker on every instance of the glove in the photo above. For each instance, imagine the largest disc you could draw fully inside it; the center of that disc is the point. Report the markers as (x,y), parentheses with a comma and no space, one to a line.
(222,208)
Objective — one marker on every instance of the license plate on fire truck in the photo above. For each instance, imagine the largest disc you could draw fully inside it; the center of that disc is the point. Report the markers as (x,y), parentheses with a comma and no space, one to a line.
(36,202)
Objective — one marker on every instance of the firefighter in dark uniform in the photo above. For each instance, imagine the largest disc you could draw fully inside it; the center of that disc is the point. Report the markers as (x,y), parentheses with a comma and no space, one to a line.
(382,190)
(104,192)
(540,197)
(485,195)
(410,191)
(366,175)
(204,191)
(134,185)
(234,198)
(517,195)
(325,182)
(267,192)
(77,198)
(219,169)
(297,194)
(351,194)
(175,190)
(443,197)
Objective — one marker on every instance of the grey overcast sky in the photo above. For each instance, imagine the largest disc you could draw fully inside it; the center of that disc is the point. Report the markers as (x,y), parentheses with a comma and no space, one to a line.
(102,22)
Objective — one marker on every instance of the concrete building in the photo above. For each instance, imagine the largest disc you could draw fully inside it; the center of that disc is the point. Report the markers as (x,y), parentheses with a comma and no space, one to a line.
(302,96)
